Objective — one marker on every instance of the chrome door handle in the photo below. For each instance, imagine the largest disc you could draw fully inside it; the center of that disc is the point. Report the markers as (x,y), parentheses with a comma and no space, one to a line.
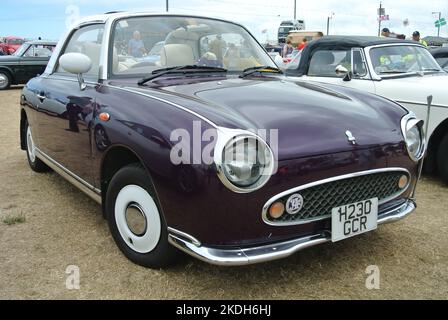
(41,98)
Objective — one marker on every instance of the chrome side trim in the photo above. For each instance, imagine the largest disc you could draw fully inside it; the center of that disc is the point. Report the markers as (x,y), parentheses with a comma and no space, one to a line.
(81,184)
(184,235)
(317,183)
(245,256)
(169,103)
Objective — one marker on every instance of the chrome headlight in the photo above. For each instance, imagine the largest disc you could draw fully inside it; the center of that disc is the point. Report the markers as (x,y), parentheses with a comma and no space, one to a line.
(244,161)
(414,136)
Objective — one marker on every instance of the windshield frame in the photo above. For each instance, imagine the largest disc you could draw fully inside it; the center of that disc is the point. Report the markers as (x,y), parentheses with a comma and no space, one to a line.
(378,77)
(112,27)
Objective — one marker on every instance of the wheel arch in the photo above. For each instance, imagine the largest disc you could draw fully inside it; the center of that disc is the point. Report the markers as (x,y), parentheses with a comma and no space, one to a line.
(23,122)
(434,142)
(115,158)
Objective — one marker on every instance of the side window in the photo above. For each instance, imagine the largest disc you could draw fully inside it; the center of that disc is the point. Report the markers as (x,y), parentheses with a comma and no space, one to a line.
(324,62)
(87,40)
(359,66)
(38,51)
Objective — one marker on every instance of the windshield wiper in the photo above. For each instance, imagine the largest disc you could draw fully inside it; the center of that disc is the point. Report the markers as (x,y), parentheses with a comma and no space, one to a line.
(430,69)
(252,70)
(185,69)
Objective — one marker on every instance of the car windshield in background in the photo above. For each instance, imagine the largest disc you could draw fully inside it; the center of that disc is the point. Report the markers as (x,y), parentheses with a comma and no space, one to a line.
(143,45)
(15,42)
(396,60)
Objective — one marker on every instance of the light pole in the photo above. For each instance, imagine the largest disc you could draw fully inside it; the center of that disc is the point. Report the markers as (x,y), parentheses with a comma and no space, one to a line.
(440,16)
(328,22)
(295,10)
(167,6)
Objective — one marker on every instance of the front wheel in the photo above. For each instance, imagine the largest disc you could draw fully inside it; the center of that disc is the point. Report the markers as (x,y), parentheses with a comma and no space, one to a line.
(442,159)
(135,219)
(34,162)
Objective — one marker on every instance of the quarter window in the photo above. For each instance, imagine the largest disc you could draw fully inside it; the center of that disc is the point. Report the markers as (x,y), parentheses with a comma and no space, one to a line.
(324,62)
(87,40)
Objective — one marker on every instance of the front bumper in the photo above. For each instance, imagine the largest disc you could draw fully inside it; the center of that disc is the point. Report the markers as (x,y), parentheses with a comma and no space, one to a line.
(250,255)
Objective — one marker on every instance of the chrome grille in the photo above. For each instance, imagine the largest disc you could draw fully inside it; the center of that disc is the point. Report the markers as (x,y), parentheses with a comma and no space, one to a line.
(319,200)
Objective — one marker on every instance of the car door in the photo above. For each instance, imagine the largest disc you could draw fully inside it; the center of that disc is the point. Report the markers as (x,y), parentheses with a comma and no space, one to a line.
(323,63)
(65,112)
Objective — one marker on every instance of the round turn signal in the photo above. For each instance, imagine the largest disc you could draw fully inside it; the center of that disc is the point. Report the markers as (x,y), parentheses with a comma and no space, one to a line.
(104,116)
(403,182)
(277,210)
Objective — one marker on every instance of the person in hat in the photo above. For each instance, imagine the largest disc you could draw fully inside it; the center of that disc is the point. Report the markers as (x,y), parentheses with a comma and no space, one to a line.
(416,37)
(385,32)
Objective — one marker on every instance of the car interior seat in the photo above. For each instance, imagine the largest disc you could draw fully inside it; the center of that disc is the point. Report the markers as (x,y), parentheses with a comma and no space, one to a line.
(322,64)
(176,55)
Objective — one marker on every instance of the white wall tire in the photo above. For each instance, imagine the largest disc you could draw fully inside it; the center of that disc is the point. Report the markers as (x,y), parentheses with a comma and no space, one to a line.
(131,191)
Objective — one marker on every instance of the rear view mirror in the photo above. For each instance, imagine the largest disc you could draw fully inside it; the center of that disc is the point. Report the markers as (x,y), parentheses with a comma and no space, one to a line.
(76,63)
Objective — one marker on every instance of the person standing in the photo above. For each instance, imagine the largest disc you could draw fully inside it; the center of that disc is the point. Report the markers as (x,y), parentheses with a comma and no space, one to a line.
(303,44)
(416,37)
(136,47)
(287,48)
(385,33)
(218,46)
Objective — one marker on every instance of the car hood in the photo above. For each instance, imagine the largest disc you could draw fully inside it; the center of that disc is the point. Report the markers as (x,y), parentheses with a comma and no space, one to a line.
(416,88)
(310,118)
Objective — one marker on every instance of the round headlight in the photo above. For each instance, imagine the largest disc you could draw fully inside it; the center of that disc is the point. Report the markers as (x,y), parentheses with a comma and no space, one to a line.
(245,162)
(414,137)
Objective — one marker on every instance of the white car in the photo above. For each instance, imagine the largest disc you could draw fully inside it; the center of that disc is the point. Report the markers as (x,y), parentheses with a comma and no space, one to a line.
(400,70)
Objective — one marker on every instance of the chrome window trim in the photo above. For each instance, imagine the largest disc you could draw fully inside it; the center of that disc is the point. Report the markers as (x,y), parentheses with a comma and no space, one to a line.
(367,76)
(78,182)
(266,207)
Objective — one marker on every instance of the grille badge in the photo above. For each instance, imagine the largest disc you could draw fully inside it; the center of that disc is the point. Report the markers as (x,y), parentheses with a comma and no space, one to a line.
(294,204)
(351,137)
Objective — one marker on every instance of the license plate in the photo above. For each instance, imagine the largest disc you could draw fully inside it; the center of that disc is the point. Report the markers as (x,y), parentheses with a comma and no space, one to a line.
(354,219)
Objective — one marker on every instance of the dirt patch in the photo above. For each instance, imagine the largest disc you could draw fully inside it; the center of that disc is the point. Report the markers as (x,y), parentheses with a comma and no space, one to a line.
(63,227)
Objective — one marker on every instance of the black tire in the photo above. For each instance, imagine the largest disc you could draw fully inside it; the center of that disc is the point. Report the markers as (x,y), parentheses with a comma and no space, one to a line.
(442,159)
(4,76)
(34,162)
(160,255)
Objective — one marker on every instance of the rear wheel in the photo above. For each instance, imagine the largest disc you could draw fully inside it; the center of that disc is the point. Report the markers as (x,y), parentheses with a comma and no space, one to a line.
(135,219)
(442,159)
(5,80)
(35,163)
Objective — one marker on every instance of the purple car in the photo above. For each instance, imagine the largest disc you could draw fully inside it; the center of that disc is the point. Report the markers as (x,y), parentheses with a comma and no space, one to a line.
(226,159)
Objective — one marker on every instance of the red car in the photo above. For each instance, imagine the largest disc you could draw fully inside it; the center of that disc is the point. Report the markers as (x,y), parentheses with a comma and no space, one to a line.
(11,44)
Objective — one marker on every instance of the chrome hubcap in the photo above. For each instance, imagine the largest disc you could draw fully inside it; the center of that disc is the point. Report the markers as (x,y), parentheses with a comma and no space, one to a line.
(3,80)
(136,219)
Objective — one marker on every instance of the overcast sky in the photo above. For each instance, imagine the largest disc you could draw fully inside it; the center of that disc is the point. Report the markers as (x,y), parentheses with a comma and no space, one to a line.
(47,18)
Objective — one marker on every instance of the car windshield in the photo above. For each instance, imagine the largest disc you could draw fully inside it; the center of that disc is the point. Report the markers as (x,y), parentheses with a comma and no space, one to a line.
(396,60)
(142,45)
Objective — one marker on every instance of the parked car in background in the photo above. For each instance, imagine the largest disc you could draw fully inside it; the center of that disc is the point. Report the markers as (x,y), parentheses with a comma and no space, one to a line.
(276,165)
(11,44)
(287,26)
(441,56)
(400,70)
(27,62)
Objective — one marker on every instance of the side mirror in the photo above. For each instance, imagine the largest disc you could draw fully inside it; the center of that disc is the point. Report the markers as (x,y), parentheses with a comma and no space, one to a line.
(76,63)
(343,71)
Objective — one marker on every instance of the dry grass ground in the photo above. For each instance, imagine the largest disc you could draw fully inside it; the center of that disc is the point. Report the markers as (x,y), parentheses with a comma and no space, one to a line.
(63,227)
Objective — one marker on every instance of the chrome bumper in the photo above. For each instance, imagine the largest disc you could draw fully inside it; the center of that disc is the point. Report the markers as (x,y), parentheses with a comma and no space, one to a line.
(245,256)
